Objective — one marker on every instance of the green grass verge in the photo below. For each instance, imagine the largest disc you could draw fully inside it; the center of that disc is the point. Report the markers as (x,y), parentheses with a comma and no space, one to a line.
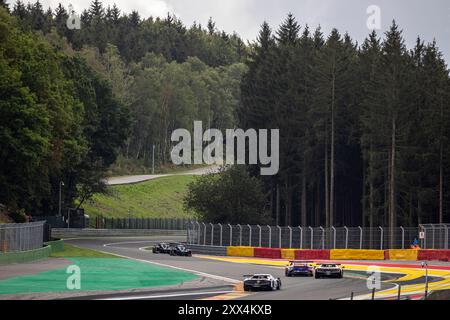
(98,275)
(76,252)
(159,198)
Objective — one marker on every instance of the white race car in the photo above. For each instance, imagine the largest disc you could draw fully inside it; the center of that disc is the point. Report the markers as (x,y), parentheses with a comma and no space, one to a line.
(261,282)
(329,270)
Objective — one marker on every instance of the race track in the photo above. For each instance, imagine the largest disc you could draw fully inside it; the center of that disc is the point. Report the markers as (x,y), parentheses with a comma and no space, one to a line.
(222,275)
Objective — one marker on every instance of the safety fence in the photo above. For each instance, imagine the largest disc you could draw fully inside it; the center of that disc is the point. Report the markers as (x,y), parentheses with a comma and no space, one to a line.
(380,238)
(435,236)
(139,223)
(16,237)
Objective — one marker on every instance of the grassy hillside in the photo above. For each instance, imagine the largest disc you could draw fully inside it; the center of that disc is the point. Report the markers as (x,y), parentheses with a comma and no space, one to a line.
(160,198)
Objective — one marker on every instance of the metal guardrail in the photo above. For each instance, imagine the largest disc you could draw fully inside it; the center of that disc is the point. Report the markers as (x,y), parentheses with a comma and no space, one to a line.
(380,238)
(208,250)
(16,237)
(139,223)
(94,233)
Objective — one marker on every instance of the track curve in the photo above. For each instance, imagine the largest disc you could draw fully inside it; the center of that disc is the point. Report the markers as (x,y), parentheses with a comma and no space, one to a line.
(227,272)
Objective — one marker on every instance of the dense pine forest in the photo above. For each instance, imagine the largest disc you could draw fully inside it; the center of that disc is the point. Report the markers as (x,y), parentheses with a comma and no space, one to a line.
(364,127)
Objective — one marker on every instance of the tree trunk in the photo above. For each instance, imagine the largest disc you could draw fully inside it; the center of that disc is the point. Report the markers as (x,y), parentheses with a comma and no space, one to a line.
(392,202)
(318,202)
(371,195)
(364,197)
(277,212)
(441,169)
(327,191)
(287,218)
(332,165)
(304,206)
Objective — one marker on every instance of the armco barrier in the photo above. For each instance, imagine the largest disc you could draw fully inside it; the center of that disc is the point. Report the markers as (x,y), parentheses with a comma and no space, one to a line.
(312,254)
(240,251)
(82,233)
(25,256)
(267,253)
(401,255)
(208,250)
(288,254)
(434,255)
(355,254)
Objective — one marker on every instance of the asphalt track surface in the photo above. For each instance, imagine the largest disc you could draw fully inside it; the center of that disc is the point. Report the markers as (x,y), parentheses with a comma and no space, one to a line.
(114,181)
(226,274)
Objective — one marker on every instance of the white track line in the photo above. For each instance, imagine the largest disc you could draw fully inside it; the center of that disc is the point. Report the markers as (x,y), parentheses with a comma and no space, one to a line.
(203,274)
(170,295)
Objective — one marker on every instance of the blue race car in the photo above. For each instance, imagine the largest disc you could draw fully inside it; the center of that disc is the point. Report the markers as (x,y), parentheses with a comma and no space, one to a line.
(300,268)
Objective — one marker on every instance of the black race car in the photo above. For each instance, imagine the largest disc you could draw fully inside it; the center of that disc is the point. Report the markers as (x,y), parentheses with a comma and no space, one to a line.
(329,270)
(261,282)
(180,250)
(161,248)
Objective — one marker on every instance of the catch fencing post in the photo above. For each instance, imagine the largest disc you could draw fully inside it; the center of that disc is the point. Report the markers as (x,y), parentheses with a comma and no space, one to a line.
(312,237)
(231,235)
(301,237)
(260,235)
(212,234)
(204,234)
(382,236)
(424,240)
(270,236)
(279,236)
(198,236)
(432,228)
(250,235)
(290,237)
(323,237)
(221,234)
(189,234)
(346,237)
(446,237)
(334,236)
(403,237)
(360,238)
(240,235)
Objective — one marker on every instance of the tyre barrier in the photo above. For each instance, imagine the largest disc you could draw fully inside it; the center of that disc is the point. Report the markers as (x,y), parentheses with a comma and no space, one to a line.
(312,254)
(288,254)
(207,250)
(331,254)
(401,255)
(355,254)
(267,253)
(434,255)
(241,251)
